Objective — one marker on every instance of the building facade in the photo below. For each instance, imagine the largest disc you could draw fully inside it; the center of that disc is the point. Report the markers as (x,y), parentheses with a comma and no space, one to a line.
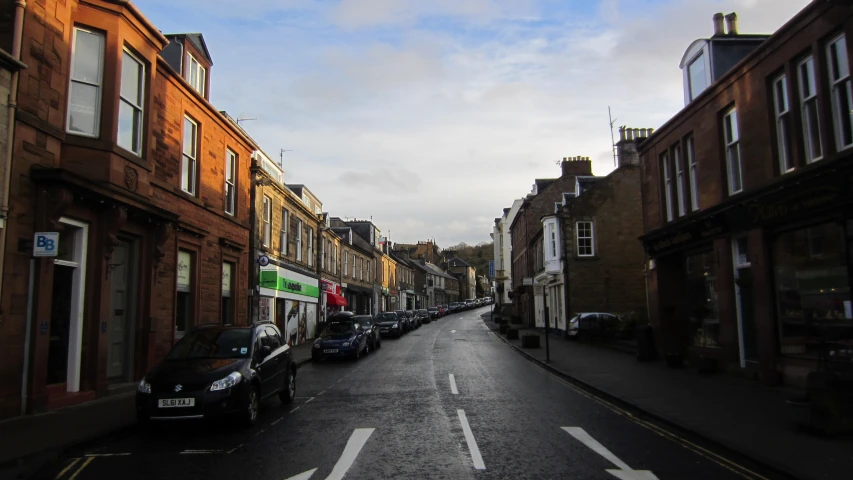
(142,189)
(405,278)
(747,206)
(467,276)
(356,260)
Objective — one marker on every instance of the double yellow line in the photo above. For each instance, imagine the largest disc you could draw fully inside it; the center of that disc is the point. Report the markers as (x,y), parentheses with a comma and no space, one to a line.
(71,466)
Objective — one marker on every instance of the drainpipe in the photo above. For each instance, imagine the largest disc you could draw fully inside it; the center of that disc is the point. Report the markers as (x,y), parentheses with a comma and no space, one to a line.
(17,40)
(254,268)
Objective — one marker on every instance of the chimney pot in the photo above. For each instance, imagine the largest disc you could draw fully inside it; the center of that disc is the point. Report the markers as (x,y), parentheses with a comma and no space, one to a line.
(719,29)
(731,23)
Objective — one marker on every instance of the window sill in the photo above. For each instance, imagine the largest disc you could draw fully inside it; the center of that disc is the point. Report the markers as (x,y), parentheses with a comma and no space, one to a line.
(589,257)
(106,146)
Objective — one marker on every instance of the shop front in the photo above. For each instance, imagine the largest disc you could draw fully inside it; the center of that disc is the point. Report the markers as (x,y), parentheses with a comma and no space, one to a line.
(358,298)
(290,299)
(762,285)
(331,300)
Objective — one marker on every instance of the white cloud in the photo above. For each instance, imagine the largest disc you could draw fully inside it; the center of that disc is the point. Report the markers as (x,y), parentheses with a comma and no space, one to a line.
(433,130)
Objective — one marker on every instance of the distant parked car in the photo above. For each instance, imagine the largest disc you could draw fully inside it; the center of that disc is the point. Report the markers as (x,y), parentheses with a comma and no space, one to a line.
(390,324)
(469,304)
(405,323)
(340,339)
(424,316)
(443,310)
(600,324)
(374,339)
(414,318)
(434,313)
(454,307)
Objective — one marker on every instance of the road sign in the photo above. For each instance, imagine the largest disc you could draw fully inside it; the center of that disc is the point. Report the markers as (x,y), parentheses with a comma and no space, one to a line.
(45,244)
(263,260)
(491,269)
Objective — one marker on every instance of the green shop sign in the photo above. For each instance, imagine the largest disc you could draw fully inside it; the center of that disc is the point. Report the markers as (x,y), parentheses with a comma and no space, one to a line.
(270,279)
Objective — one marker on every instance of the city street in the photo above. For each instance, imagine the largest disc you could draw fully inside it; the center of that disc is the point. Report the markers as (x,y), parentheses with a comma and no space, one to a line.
(447,401)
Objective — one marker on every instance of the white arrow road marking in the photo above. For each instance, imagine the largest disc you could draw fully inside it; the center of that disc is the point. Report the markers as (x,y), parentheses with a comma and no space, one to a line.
(469,439)
(625,472)
(356,441)
(303,475)
(453,389)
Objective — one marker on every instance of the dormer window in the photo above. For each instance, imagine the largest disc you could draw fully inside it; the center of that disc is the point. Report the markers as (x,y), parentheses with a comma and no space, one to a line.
(697,77)
(196,74)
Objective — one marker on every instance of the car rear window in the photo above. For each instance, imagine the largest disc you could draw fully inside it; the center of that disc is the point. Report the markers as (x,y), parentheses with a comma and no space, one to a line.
(213,343)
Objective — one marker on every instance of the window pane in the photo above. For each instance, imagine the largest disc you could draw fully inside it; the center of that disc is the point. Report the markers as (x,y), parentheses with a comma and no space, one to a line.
(193,72)
(838,59)
(82,108)
(845,110)
(812,130)
(129,120)
(697,76)
(700,297)
(188,174)
(229,166)
(189,137)
(131,79)
(88,54)
(734,169)
(201,80)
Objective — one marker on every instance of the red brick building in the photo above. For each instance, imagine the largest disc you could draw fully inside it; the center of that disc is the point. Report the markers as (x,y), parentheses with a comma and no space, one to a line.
(116,148)
(747,197)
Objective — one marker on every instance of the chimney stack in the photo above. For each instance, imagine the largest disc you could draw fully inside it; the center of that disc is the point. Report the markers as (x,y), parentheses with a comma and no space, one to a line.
(731,23)
(626,147)
(719,29)
(576,166)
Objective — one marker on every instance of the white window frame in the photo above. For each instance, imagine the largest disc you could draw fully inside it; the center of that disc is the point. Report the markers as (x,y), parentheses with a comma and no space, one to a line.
(285,242)
(731,138)
(808,102)
(839,82)
(679,181)
(78,299)
(299,239)
(137,105)
(552,230)
(667,186)
(200,72)
(782,113)
(346,263)
(230,185)
(369,262)
(693,173)
(189,160)
(698,58)
(97,85)
(310,259)
(335,259)
(266,217)
(590,237)
(361,269)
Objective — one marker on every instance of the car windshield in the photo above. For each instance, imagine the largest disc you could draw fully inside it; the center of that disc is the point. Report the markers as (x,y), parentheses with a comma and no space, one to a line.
(386,317)
(213,343)
(433,309)
(363,321)
(339,328)
(423,311)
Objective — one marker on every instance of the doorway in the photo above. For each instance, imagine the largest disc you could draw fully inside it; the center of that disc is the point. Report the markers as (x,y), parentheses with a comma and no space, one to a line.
(67,301)
(748,335)
(121,270)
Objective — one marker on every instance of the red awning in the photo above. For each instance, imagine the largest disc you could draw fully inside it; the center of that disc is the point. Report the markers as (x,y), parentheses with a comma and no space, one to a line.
(335,300)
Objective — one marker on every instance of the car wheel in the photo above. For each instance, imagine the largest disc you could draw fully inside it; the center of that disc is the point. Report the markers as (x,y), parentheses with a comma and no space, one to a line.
(250,415)
(289,393)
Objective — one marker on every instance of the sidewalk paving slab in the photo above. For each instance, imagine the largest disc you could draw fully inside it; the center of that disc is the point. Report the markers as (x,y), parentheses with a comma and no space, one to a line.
(29,442)
(735,413)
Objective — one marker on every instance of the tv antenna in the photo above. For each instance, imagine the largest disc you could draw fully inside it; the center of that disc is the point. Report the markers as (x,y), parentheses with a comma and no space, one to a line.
(281,157)
(612,138)
(244,119)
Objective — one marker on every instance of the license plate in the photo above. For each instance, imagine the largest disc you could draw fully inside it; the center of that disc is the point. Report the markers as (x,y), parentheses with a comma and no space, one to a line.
(331,350)
(383,330)
(176,402)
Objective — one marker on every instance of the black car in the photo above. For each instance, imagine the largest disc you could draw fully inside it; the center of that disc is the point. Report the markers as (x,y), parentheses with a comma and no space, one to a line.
(434,313)
(374,340)
(390,324)
(404,320)
(414,318)
(341,338)
(424,315)
(217,370)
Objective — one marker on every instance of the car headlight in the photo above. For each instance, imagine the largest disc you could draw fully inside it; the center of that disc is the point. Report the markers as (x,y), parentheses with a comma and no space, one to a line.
(317,345)
(143,387)
(345,344)
(227,382)
(396,325)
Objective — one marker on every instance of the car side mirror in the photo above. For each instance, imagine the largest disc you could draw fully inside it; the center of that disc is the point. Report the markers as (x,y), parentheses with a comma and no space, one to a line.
(265,351)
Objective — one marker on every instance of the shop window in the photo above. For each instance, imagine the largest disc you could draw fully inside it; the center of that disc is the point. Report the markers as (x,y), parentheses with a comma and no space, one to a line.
(812,289)
(701,298)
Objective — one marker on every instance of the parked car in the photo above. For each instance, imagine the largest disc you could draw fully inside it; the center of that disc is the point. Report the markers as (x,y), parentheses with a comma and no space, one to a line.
(405,323)
(424,316)
(217,370)
(374,339)
(341,338)
(454,307)
(391,324)
(443,310)
(434,313)
(600,324)
(414,318)
(469,304)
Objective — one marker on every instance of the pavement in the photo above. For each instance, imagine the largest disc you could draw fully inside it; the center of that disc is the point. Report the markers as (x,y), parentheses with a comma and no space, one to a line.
(447,401)
(736,415)
(26,448)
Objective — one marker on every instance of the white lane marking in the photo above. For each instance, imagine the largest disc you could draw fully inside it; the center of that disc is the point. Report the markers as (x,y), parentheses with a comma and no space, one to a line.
(107,454)
(259,432)
(280,419)
(625,472)
(235,448)
(469,439)
(453,389)
(321,393)
(200,452)
(354,444)
(295,409)
(303,475)
(309,400)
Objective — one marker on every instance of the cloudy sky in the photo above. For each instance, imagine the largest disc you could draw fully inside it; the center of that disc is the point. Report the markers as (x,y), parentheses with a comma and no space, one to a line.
(431,116)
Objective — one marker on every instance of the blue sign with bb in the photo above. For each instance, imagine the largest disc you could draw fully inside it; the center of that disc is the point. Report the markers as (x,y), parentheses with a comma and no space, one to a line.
(491,269)
(45,244)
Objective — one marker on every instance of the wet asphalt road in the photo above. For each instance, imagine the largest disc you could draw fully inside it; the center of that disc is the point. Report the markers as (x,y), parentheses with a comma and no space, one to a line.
(397,404)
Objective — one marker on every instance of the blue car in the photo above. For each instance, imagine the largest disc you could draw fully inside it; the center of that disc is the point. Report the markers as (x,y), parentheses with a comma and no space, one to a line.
(341,338)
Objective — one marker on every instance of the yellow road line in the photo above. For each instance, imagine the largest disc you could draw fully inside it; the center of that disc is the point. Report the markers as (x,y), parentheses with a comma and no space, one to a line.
(85,464)
(65,470)
(716,458)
